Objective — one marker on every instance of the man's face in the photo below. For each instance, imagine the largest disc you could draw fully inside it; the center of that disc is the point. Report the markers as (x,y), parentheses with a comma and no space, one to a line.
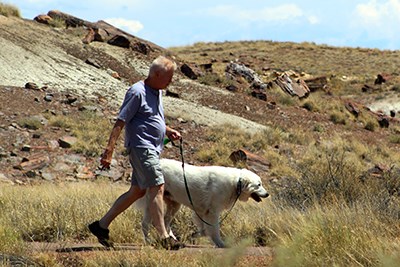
(164,79)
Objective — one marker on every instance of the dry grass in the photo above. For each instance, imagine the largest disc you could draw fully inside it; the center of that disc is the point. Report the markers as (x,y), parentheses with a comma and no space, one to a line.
(9,10)
(60,213)
(333,232)
(337,235)
(91,130)
(321,210)
(57,23)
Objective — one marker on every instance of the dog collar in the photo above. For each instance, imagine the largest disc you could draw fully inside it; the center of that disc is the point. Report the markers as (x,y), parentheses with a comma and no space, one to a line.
(239,187)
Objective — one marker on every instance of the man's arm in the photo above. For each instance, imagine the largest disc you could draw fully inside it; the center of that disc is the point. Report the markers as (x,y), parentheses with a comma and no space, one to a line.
(106,157)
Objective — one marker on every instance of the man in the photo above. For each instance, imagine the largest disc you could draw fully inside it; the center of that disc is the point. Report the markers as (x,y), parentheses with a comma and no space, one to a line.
(142,115)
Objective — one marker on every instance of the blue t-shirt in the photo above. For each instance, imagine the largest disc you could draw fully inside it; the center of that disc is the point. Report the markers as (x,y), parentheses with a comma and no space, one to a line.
(143,114)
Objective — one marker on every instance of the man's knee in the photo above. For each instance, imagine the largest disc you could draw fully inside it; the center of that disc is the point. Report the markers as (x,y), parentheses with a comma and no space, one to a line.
(136,192)
(157,189)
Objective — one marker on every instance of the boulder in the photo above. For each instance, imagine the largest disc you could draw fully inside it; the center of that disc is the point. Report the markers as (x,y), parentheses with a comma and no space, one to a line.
(253,161)
(294,88)
(192,72)
(70,21)
(317,83)
(382,78)
(44,19)
(352,108)
(120,40)
(67,141)
(33,162)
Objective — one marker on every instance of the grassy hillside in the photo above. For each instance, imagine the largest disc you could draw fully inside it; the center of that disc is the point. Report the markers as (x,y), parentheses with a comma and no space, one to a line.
(314,59)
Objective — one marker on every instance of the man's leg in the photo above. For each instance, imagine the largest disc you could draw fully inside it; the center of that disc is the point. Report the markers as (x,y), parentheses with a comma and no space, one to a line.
(100,228)
(156,207)
(121,204)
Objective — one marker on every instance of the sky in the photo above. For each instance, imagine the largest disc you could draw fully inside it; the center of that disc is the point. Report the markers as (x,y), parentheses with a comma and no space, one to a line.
(343,23)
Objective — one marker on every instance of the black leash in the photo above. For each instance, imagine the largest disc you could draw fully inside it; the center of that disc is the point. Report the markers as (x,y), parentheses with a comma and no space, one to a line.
(238,188)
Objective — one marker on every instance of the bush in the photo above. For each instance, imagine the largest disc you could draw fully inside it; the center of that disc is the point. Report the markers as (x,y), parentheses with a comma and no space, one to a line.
(33,123)
(57,23)
(371,125)
(9,10)
(310,106)
(326,173)
(395,139)
(212,79)
(396,87)
(338,118)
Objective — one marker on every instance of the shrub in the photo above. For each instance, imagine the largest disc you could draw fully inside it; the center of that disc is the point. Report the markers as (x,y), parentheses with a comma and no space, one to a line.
(57,23)
(32,123)
(396,87)
(395,139)
(309,105)
(318,128)
(324,173)
(287,100)
(371,125)
(338,118)
(210,79)
(9,10)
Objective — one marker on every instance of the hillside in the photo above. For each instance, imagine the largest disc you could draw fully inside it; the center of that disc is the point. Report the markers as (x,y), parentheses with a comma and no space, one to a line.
(59,63)
(54,88)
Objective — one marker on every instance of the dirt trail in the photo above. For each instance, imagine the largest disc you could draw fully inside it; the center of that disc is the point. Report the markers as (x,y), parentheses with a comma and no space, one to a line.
(82,247)
(255,256)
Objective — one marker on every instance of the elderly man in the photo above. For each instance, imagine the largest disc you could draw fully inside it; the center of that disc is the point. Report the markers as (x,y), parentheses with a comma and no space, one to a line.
(142,116)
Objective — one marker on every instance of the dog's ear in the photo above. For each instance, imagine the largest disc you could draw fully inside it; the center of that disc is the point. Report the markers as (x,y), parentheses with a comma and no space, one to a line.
(242,190)
(242,185)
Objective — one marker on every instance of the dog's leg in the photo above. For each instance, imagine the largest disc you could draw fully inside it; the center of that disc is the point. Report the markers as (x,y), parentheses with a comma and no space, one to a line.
(200,226)
(171,208)
(213,230)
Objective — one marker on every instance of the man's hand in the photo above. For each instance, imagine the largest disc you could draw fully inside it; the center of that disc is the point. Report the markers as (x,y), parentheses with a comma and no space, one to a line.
(105,160)
(173,134)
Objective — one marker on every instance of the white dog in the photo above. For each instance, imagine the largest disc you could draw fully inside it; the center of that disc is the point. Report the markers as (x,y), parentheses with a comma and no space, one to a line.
(212,189)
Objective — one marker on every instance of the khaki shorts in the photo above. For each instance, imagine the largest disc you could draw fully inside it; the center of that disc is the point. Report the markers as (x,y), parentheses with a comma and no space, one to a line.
(146,169)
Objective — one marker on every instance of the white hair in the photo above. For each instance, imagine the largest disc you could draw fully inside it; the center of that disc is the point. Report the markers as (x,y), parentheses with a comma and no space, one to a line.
(162,64)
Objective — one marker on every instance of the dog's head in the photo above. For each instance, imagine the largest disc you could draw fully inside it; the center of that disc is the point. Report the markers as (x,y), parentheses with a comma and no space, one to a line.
(251,186)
